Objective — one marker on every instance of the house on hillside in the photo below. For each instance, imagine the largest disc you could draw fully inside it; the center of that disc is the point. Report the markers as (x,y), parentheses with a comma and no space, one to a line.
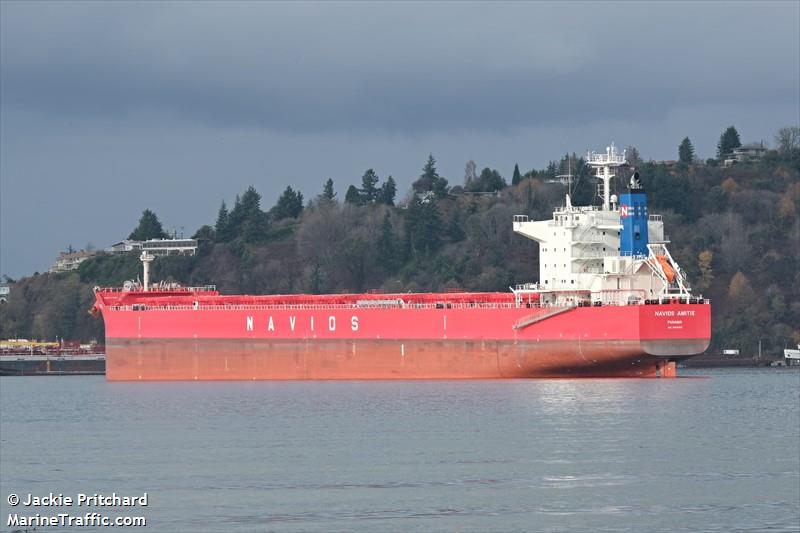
(156,246)
(124,246)
(70,260)
(746,153)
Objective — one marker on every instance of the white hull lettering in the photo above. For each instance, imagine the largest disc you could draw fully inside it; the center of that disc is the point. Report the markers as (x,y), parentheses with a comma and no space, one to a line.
(331,323)
(271,326)
(685,312)
(249,323)
(292,320)
(354,323)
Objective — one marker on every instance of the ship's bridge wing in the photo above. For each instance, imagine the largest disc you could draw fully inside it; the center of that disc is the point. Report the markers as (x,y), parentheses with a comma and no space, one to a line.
(535,230)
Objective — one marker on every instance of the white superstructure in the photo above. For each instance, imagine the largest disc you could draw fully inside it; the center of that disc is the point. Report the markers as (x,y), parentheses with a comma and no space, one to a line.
(580,257)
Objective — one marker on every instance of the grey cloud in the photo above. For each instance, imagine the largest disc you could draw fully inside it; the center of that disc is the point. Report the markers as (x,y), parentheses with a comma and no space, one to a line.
(388,67)
(110,108)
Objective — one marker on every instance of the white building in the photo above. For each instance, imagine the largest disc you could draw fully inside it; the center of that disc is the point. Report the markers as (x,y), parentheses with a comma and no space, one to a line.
(5,290)
(792,356)
(156,246)
(746,153)
(124,246)
(70,260)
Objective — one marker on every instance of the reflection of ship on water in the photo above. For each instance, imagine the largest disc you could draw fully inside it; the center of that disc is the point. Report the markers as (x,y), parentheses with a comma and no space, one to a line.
(23,357)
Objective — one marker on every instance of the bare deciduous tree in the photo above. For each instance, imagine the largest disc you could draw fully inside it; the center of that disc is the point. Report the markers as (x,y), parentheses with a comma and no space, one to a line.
(788,139)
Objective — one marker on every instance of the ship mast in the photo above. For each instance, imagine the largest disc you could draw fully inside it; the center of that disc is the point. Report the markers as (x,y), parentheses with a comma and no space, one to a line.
(604,165)
(146,258)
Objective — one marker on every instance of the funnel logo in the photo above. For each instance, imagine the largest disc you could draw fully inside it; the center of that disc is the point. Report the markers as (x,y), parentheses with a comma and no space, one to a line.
(623,211)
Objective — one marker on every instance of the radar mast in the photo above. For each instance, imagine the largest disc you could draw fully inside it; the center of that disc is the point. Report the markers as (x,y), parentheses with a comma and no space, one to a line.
(605,165)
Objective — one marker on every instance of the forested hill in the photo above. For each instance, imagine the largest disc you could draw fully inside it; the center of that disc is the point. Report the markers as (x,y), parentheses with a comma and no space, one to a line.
(736,231)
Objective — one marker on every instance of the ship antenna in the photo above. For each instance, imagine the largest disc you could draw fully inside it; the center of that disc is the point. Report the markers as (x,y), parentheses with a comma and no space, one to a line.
(569,174)
(561,178)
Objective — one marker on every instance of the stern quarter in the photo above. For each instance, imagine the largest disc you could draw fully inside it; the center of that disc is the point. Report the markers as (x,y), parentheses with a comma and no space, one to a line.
(675,330)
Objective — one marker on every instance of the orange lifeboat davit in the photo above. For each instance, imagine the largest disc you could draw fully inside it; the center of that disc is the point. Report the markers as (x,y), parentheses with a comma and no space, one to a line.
(666,267)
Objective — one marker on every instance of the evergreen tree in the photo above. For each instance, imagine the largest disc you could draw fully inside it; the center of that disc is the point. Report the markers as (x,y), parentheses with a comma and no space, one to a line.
(327,190)
(455,230)
(388,191)
(149,228)
(440,188)
(222,225)
(490,180)
(369,190)
(205,233)
(551,171)
(516,178)
(290,204)
(353,196)
(388,250)
(572,164)
(686,151)
(246,220)
(728,141)
(430,180)
(251,203)
(423,225)
(235,218)
(493,180)
(297,206)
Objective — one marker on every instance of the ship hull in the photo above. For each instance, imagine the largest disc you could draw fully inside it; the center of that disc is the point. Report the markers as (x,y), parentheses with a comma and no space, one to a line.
(225,359)
(440,343)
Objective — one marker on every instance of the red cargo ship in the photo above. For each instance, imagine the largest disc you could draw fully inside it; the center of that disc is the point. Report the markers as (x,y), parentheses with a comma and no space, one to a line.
(627,312)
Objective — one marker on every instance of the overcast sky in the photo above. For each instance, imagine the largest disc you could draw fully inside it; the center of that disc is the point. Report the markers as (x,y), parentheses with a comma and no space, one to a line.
(110,108)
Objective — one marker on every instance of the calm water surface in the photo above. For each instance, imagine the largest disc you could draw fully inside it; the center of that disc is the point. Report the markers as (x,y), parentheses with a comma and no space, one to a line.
(717,451)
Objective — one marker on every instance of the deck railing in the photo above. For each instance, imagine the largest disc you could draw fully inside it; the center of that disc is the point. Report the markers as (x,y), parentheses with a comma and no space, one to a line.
(156,288)
(338,307)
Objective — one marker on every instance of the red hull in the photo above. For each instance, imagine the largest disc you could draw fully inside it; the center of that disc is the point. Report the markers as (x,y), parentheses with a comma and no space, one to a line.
(152,336)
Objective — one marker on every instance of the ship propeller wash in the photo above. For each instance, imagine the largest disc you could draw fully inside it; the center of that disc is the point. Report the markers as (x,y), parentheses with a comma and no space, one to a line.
(610,302)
